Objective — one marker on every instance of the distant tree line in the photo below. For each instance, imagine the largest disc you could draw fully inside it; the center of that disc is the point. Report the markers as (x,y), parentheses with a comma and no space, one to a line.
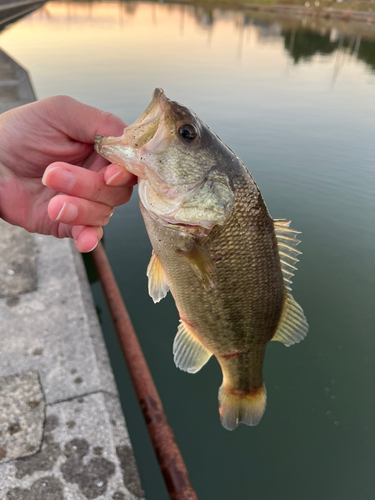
(303,44)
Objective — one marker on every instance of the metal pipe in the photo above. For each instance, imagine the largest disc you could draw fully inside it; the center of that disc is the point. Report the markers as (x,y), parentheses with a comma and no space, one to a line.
(168,454)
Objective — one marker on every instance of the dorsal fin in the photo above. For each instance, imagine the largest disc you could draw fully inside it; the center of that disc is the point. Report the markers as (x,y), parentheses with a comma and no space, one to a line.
(287,244)
(157,280)
(292,327)
(189,354)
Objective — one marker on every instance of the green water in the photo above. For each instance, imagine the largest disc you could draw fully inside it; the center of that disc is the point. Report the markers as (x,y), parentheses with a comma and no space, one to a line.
(296,101)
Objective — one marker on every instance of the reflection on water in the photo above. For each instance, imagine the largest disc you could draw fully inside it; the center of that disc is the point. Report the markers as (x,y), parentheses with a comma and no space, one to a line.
(303,38)
(304,44)
(296,100)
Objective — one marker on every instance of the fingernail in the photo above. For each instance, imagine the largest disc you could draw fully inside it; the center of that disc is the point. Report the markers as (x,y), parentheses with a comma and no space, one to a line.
(68,212)
(93,248)
(63,181)
(112,180)
(46,173)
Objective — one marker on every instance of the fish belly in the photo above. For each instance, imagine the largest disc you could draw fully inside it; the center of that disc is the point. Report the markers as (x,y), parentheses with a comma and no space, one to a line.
(240,312)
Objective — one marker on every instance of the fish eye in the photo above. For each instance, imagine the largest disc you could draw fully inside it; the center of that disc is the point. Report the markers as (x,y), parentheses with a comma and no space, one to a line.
(188,132)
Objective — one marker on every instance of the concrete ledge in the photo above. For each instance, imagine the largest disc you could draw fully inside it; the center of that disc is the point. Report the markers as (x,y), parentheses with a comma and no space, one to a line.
(21,416)
(85,451)
(62,432)
(54,331)
(17,261)
(49,330)
(18,90)
(80,458)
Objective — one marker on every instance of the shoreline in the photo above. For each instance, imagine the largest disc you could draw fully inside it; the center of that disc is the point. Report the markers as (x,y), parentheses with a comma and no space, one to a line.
(289,10)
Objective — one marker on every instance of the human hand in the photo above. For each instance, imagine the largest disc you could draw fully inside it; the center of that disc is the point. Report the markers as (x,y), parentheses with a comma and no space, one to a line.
(51,179)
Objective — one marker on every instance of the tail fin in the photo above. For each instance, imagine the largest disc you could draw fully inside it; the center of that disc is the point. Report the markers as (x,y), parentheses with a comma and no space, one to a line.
(247,409)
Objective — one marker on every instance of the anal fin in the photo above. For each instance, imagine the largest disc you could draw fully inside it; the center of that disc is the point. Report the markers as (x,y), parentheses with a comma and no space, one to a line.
(189,354)
(201,263)
(157,280)
(292,326)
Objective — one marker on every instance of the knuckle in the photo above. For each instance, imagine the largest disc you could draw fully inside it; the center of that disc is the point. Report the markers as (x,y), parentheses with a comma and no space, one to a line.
(127,195)
(96,194)
(58,101)
(105,219)
(124,196)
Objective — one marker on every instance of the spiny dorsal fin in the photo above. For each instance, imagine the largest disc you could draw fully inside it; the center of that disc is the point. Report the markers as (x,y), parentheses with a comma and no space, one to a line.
(287,243)
(189,353)
(292,326)
(201,263)
(157,280)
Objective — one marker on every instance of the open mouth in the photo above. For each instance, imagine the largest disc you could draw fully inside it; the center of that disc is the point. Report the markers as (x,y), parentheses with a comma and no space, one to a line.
(156,107)
(145,135)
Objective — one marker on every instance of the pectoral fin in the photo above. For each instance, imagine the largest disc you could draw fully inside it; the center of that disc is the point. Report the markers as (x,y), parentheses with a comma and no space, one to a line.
(157,280)
(292,326)
(189,353)
(202,265)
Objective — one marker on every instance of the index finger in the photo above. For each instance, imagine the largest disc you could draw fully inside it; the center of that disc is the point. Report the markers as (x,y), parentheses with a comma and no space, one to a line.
(86,184)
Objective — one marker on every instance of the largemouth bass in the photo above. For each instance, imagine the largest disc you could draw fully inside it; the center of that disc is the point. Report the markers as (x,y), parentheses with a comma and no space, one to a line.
(227,263)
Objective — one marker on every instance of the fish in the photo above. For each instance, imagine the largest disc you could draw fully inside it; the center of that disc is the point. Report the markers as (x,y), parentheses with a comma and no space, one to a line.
(226,262)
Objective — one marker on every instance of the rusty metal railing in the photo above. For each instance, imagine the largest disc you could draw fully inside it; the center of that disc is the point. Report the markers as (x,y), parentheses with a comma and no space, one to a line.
(167,452)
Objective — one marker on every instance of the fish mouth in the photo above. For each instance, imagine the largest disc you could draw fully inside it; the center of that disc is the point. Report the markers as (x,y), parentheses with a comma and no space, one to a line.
(147,133)
(158,105)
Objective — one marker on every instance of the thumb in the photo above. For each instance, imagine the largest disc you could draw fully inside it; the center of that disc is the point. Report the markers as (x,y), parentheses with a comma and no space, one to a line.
(79,121)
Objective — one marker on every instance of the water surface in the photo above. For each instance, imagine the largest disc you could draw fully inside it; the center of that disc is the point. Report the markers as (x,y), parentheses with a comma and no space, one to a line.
(296,100)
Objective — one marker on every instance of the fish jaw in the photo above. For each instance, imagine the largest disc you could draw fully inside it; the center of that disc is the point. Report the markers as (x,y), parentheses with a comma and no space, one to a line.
(156,141)
(115,150)
(146,134)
